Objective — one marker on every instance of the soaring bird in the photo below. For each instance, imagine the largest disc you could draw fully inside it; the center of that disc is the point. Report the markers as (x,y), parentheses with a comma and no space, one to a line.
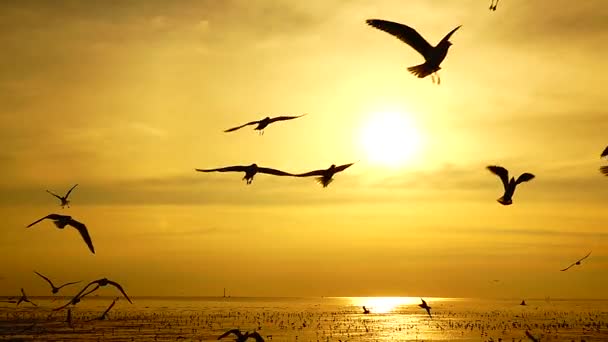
(75,300)
(63,220)
(103,282)
(240,337)
(103,315)
(426,307)
(493,4)
(64,199)
(249,170)
(433,56)
(326,176)
(365,310)
(264,122)
(24,298)
(604,169)
(509,186)
(55,289)
(578,262)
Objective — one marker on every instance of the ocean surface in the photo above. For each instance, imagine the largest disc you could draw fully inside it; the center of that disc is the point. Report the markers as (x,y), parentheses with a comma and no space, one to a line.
(306,319)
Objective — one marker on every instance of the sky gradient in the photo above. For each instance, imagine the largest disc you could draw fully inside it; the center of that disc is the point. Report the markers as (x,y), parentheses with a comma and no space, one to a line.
(126,98)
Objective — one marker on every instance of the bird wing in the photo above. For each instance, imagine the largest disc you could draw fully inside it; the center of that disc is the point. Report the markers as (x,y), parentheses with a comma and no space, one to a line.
(428,310)
(604,170)
(283,118)
(585,257)
(45,278)
(23,293)
(502,173)
(33,223)
(69,191)
(117,285)
(84,232)
(241,126)
(342,167)
(237,332)
(524,177)
(447,36)
(423,302)
(605,153)
(225,169)
(54,194)
(273,171)
(567,268)
(311,173)
(66,284)
(255,335)
(84,289)
(109,307)
(405,33)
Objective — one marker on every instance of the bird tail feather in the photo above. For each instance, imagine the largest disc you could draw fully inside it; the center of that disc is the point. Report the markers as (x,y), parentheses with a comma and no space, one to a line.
(421,70)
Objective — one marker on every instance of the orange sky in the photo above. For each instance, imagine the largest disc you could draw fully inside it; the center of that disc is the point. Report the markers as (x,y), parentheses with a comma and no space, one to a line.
(127,98)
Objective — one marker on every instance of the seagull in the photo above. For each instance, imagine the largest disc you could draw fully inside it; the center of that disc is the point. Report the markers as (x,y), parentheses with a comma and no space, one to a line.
(240,337)
(433,56)
(25,299)
(250,171)
(426,307)
(63,220)
(365,310)
(578,262)
(493,4)
(264,123)
(509,186)
(604,169)
(103,282)
(77,298)
(54,288)
(63,199)
(604,153)
(103,315)
(326,175)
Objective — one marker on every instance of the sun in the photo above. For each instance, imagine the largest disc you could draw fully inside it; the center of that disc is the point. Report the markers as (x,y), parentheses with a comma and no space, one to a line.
(390,139)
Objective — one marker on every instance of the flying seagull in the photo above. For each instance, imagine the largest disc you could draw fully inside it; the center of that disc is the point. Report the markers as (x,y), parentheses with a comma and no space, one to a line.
(249,170)
(77,298)
(426,307)
(493,4)
(103,315)
(63,220)
(103,282)
(64,199)
(264,122)
(54,288)
(509,186)
(240,337)
(24,298)
(433,56)
(326,176)
(578,262)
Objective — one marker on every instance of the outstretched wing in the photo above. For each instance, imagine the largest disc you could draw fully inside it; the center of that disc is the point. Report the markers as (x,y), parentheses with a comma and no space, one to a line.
(283,118)
(428,310)
(343,167)
(66,284)
(502,173)
(311,173)
(605,153)
(604,170)
(237,332)
(33,223)
(117,285)
(524,177)
(69,191)
(423,303)
(255,335)
(447,36)
(241,126)
(84,232)
(273,171)
(585,257)
(54,194)
(103,315)
(225,169)
(50,216)
(567,268)
(405,33)
(45,278)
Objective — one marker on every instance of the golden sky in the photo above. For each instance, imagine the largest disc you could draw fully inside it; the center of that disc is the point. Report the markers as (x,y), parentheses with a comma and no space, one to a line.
(126,98)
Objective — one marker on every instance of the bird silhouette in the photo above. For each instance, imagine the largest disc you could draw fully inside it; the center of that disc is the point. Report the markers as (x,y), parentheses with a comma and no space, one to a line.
(578,262)
(264,123)
(240,337)
(104,282)
(365,310)
(250,171)
(425,306)
(326,175)
(64,199)
(55,289)
(493,4)
(75,300)
(433,56)
(63,220)
(604,169)
(509,186)
(104,314)
(24,298)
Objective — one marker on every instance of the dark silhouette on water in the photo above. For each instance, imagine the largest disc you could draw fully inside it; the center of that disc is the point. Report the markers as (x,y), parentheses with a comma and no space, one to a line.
(250,171)
(433,55)
(523,302)
(55,289)
(64,199)
(578,262)
(104,314)
(493,4)
(509,186)
(365,310)
(425,306)
(326,175)
(24,298)
(68,318)
(63,220)
(264,123)
(240,337)
(604,169)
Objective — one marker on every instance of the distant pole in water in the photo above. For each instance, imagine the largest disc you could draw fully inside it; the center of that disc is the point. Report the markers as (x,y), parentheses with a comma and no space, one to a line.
(224,292)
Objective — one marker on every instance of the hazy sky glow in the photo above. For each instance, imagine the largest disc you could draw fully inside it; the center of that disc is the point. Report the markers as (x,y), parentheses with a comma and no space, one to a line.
(126,98)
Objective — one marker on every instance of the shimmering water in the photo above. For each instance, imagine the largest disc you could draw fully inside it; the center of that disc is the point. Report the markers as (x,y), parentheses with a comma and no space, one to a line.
(307,319)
